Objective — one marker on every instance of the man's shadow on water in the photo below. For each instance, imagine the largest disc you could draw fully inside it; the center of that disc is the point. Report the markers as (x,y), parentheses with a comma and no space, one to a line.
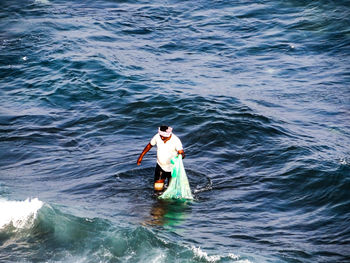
(169,212)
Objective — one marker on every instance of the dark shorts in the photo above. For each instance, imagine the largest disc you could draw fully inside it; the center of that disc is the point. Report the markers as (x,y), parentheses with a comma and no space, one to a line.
(160,174)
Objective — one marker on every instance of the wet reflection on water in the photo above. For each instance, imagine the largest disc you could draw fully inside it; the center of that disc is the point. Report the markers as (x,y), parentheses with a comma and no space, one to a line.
(169,212)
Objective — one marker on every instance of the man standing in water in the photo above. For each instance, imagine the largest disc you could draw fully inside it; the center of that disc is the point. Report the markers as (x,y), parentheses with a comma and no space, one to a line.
(168,146)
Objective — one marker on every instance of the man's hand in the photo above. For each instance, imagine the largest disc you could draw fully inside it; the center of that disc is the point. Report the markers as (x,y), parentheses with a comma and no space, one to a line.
(182,153)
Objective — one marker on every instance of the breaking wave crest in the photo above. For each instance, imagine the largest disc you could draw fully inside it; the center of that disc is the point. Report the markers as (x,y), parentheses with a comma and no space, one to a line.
(19,214)
(31,224)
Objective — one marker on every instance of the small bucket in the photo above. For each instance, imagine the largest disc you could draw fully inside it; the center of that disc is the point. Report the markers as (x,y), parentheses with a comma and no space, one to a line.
(159,185)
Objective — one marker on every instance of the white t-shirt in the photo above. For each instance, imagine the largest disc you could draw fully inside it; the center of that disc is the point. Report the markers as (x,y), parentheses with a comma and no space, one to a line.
(166,151)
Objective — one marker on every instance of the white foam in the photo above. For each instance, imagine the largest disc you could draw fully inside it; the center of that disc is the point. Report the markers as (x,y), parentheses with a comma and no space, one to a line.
(270,70)
(159,258)
(203,255)
(233,256)
(215,258)
(238,259)
(19,213)
(42,2)
(344,161)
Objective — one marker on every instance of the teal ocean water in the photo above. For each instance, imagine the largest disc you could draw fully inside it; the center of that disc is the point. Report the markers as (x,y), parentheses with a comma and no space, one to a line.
(258,92)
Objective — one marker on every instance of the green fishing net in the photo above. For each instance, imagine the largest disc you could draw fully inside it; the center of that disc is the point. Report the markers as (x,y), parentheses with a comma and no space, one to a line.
(179,187)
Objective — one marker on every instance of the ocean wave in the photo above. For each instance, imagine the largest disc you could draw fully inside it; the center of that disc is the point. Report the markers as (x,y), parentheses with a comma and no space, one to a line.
(19,214)
(202,255)
(71,238)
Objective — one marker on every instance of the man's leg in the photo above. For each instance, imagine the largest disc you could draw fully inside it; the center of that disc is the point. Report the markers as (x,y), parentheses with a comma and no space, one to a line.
(158,179)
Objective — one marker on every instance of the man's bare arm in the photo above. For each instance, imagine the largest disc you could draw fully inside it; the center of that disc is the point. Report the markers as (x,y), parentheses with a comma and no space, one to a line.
(147,148)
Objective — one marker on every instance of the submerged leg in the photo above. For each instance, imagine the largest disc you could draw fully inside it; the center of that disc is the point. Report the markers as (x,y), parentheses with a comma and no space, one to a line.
(159,179)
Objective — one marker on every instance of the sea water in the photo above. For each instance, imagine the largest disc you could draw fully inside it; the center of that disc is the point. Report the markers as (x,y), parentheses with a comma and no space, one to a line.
(257,91)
